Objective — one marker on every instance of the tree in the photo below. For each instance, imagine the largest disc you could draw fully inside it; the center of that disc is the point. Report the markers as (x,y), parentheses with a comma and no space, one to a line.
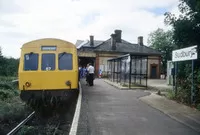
(2,64)
(0,51)
(8,66)
(12,66)
(187,26)
(186,32)
(163,42)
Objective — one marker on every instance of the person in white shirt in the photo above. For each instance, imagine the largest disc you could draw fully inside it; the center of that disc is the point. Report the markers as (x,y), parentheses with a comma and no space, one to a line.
(90,75)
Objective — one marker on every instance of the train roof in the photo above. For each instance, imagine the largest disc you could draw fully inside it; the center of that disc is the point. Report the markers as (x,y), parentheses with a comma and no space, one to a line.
(48,42)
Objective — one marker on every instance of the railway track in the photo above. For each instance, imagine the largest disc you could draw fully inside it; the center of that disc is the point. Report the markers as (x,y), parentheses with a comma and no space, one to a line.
(56,121)
(56,125)
(17,128)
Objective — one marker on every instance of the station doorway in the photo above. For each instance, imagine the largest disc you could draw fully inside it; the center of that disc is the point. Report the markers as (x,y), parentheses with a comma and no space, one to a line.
(83,61)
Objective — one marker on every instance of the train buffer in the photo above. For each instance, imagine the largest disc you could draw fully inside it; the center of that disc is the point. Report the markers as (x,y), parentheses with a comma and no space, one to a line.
(15,81)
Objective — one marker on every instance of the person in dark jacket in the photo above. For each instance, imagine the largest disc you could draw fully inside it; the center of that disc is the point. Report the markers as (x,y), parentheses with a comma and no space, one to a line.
(87,75)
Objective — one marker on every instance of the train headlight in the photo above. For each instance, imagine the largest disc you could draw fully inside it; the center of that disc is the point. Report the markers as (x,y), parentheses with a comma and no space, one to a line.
(68,83)
(28,84)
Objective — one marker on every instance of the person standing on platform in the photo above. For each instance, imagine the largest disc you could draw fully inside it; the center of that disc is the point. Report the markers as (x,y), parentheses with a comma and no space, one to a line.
(87,75)
(79,73)
(91,75)
(100,73)
(84,72)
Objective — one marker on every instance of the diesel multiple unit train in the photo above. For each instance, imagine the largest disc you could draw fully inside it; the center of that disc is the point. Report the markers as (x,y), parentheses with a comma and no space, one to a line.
(48,71)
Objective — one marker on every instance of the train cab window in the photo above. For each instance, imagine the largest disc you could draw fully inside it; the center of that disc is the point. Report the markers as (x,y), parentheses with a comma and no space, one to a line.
(65,61)
(31,61)
(48,61)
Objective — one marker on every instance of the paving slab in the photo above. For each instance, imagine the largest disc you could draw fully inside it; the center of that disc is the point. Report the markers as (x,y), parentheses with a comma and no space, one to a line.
(182,113)
(153,85)
(159,84)
(106,110)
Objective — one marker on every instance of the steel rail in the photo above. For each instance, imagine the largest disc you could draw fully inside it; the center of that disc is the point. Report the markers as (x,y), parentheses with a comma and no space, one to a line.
(21,124)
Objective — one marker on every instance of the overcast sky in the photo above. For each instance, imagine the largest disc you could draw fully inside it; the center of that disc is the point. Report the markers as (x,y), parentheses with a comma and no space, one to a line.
(25,20)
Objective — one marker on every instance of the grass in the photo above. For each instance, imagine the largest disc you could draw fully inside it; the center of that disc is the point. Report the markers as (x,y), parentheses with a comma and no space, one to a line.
(168,93)
(171,94)
(12,109)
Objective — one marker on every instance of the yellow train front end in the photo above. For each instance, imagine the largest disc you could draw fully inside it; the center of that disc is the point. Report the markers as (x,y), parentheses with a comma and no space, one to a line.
(48,71)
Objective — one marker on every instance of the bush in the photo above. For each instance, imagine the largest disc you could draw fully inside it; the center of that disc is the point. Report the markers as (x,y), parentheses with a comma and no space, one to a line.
(5,85)
(7,79)
(5,94)
(12,109)
(28,130)
(7,90)
(184,83)
(198,107)
(11,113)
(183,95)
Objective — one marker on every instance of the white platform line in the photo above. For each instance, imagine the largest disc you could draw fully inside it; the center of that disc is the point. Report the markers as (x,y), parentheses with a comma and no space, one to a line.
(74,125)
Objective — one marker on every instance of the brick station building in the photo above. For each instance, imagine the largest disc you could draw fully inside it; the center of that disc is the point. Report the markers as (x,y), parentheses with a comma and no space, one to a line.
(98,52)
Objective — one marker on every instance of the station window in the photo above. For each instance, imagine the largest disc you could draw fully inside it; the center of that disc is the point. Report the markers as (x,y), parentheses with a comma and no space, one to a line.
(65,61)
(48,61)
(31,61)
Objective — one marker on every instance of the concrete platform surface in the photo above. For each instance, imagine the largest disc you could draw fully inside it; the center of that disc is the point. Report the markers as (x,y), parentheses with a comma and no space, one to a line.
(153,85)
(106,110)
(182,113)
(159,84)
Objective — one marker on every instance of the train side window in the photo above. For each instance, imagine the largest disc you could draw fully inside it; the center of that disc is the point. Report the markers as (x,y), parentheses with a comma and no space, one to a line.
(65,61)
(48,61)
(31,61)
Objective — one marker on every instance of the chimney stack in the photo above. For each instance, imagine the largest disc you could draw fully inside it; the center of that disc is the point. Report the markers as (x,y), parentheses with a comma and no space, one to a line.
(91,40)
(140,40)
(113,41)
(118,36)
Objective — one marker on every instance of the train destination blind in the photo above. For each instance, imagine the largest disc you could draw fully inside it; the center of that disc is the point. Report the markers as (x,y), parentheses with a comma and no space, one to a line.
(48,48)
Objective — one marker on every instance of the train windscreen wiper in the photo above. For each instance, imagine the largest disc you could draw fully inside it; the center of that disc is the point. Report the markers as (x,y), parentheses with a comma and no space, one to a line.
(62,55)
(31,53)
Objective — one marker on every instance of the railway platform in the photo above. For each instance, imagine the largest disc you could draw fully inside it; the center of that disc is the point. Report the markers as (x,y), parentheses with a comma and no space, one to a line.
(106,110)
